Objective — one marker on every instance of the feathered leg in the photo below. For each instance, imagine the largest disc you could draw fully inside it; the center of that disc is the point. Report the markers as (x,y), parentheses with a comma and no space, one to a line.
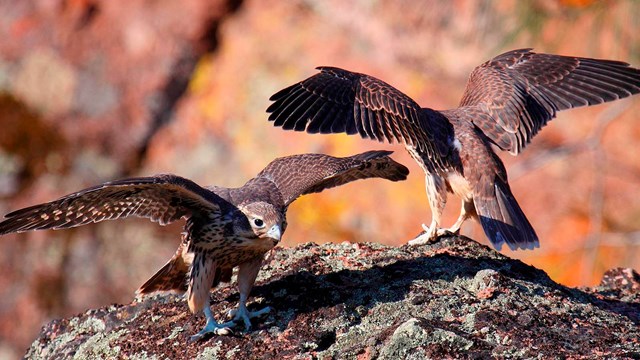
(437,195)
(201,277)
(247,274)
(467,210)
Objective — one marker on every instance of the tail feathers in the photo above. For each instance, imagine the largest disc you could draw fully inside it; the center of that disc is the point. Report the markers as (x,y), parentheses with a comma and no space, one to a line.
(503,221)
(172,277)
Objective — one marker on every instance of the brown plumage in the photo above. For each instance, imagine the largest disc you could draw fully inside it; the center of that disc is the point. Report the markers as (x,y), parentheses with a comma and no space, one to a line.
(506,102)
(225,227)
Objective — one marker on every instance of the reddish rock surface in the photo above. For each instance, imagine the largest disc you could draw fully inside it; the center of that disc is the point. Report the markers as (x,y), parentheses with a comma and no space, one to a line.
(452,299)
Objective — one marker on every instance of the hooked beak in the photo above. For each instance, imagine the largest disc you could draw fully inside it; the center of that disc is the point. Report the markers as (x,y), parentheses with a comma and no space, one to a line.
(275,233)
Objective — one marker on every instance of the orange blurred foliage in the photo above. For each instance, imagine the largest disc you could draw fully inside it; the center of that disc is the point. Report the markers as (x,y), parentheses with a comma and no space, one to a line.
(578,182)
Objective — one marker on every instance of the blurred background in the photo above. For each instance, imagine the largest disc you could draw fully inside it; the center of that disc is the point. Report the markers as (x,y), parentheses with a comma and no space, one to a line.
(94,90)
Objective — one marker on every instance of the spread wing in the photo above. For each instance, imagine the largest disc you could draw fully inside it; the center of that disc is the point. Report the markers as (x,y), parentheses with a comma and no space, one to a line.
(511,97)
(297,175)
(340,101)
(161,198)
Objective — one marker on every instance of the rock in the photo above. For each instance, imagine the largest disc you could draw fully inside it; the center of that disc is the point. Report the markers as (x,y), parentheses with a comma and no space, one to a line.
(371,301)
(485,283)
(411,339)
(627,280)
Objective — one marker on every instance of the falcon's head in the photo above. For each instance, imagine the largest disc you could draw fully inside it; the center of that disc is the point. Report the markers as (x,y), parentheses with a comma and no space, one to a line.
(266,221)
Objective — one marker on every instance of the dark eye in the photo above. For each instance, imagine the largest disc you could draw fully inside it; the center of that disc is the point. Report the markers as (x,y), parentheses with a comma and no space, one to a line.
(258,222)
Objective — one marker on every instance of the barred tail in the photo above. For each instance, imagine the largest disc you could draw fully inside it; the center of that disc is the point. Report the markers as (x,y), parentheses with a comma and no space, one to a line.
(503,221)
(171,277)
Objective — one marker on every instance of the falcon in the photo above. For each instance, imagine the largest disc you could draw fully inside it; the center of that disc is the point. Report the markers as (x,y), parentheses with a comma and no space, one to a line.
(506,102)
(225,227)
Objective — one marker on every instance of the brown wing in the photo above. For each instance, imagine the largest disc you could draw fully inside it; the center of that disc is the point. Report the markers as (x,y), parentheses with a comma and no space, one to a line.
(511,97)
(162,198)
(297,175)
(340,101)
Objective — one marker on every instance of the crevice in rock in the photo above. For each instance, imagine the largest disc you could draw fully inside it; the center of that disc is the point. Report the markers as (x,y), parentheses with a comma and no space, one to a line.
(325,340)
(162,109)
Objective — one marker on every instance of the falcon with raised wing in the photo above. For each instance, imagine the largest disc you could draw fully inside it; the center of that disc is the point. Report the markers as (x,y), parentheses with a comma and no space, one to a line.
(225,227)
(506,102)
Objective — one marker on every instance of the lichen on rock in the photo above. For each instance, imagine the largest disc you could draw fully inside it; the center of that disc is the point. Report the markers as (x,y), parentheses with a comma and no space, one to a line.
(454,298)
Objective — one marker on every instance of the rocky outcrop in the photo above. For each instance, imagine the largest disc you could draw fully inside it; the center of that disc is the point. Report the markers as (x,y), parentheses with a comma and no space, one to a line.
(455,298)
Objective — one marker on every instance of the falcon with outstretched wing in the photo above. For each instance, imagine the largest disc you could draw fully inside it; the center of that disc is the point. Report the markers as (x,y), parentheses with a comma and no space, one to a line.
(506,102)
(225,227)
